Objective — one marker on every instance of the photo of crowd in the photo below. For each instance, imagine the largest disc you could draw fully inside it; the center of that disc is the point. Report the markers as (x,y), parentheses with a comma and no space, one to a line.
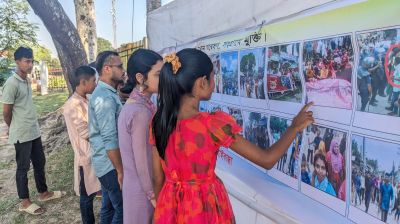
(375,178)
(283,73)
(289,162)
(236,113)
(323,163)
(251,73)
(256,128)
(328,68)
(217,73)
(379,92)
(229,71)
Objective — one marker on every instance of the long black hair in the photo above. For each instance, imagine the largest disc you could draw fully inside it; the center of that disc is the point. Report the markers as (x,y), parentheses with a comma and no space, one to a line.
(171,88)
(141,61)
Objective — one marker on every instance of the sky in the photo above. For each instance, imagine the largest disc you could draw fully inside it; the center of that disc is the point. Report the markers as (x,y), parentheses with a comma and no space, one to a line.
(124,10)
(384,152)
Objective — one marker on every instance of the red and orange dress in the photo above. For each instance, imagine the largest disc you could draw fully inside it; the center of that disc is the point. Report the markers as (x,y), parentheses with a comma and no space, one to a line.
(192,193)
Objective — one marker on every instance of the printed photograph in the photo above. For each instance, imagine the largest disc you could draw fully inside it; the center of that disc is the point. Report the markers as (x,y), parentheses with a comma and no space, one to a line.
(251,73)
(256,128)
(213,107)
(375,178)
(229,71)
(203,106)
(217,73)
(283,73)
(378,72)
(328,68)
(289,163)
(323,162)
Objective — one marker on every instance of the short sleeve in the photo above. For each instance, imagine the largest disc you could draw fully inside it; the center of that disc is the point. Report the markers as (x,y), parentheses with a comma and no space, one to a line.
(9,92)
(222,128)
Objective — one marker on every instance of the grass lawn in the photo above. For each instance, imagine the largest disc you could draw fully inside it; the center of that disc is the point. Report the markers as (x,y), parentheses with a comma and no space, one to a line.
(59,176)
(45,104)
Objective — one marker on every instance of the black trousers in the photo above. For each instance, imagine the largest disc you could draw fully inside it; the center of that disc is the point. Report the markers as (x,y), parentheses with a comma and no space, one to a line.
(85,201)
(25,153)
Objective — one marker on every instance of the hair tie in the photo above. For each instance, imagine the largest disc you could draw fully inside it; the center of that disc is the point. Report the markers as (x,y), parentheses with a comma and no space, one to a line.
(174,60)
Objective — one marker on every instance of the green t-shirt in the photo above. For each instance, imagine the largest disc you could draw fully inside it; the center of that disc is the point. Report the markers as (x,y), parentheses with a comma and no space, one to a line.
(24,124)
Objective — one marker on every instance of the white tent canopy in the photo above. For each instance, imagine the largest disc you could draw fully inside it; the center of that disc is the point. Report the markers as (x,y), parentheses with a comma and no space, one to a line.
(183,21)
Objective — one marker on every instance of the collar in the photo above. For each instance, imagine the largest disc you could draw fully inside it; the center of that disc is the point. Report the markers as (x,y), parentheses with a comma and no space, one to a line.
(105,85)
(19,77)
(76,95)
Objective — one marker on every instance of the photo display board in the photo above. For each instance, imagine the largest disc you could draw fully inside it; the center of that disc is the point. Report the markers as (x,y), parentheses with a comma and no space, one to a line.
(349,160)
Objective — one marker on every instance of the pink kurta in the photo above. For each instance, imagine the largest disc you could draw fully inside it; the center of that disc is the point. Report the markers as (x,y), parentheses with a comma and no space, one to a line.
(75,112)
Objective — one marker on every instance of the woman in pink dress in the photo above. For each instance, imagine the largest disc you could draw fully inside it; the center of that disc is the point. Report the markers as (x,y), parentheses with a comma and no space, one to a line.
(335,165)
(133,122)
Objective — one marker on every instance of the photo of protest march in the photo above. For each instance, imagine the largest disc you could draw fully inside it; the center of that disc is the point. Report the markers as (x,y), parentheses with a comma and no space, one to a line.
(378,82)
(256,128)
(289,163)
(229,71)
(328,68)
(375,178)
(323,162)
(217,73)
(251,74)
(283,73)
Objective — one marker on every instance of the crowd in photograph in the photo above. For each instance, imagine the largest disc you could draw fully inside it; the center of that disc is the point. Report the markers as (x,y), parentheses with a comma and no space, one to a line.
(326,155)
(328,58)
(283,74)
(374,85)
(256,129)
(378,188)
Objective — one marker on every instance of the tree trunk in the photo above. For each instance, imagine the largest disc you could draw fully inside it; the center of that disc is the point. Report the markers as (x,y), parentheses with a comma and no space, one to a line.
(86,26)
(153,4)
(64,34)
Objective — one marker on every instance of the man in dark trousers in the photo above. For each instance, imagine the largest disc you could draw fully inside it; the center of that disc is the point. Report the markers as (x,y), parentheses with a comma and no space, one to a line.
(20,116)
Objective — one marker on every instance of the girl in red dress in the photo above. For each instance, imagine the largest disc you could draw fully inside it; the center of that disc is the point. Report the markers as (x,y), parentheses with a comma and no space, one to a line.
(186,144)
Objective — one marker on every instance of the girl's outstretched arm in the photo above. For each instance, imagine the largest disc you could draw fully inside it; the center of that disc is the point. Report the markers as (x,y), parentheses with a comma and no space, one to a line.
(268,157)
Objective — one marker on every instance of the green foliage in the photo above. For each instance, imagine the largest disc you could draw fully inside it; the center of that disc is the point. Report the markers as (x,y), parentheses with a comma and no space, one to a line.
(15,28)
(15,31)
(254,116)
(57,82)
(356,152)
(278,124)
(5,69)
(373,163)
(41,53)
(247,64)
(103,45)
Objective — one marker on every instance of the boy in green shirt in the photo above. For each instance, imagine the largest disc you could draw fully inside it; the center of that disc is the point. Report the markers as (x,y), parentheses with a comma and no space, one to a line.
(20,116)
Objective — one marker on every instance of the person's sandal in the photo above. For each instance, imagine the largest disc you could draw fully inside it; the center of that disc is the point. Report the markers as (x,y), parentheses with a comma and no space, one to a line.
(31,209)
(56,195)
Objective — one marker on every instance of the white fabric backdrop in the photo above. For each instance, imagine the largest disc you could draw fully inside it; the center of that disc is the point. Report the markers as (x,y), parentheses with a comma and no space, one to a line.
(183,21)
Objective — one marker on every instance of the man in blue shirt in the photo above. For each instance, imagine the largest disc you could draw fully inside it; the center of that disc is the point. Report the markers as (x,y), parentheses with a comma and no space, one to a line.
(104,108)
(386,197)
